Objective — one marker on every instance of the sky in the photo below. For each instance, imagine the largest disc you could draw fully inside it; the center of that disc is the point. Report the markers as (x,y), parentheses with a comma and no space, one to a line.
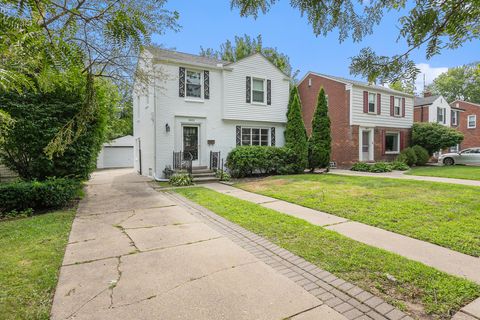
(209,23)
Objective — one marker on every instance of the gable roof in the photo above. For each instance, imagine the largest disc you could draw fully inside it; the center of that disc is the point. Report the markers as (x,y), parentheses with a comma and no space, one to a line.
(356,83)
(466,102)
(189,58)
(420,101)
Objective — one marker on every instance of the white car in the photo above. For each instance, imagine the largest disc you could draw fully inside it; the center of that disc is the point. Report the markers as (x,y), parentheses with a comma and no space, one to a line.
(467,156)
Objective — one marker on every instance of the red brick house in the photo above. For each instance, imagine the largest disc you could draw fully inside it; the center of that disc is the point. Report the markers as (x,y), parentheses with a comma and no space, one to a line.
(368,122)
(468,115)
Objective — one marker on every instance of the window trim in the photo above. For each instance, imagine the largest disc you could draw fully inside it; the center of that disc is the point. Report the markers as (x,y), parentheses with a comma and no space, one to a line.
(444,115)
(456,113)
(264,81)
(269,143)
(190,98)
(374,103)
(395,98)
(474,123)
(397,133)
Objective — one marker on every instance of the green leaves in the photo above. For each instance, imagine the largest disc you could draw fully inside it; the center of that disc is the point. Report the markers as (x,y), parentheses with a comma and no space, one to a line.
(320,141)
(295,132)
(434,137)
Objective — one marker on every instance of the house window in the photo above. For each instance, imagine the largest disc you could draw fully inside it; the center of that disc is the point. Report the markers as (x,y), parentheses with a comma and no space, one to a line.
(258,90)
(441,118)
(255,136)
(392,142)
(472,121)
(454,118)
(372,102)
(397,109)
(194,84)
(455,148)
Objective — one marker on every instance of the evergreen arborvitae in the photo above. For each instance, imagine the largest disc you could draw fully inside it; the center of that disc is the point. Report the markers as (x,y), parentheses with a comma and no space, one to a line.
(295,133)
(320,142)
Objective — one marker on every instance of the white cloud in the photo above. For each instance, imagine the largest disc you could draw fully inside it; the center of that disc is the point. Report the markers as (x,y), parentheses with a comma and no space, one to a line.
(430,74)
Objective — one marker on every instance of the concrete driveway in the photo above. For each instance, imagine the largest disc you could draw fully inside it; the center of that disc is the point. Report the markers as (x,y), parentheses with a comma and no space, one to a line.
(134,253)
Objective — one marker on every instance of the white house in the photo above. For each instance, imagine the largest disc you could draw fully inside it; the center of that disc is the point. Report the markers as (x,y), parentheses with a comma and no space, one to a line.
(435,109)
(197,105)
(117,153)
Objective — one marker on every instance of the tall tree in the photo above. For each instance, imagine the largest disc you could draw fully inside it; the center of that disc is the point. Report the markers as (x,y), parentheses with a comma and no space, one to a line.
(244,46)
(295,133)
(459,83)
(320,142)
(430,24)
(407,87)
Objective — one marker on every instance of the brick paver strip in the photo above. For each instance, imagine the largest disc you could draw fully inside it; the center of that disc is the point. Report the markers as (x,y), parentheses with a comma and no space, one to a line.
(349,300)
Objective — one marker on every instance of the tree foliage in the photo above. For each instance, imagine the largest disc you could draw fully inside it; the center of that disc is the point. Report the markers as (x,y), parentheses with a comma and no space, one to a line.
(430,24)
(434,137)
(295,133)
(243,47)
(407,87)
(320,142)
(459,83)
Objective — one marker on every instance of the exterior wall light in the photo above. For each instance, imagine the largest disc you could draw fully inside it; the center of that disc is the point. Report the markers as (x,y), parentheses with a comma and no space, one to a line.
(167,127)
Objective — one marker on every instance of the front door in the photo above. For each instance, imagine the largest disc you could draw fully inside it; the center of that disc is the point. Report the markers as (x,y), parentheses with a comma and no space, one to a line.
(366,152)
(191,143)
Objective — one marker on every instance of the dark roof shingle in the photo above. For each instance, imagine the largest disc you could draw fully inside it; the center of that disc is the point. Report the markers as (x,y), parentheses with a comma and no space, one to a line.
(420,101)
(184,57)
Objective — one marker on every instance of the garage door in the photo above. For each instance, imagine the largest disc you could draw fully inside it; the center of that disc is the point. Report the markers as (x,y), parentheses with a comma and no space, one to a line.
(117,157)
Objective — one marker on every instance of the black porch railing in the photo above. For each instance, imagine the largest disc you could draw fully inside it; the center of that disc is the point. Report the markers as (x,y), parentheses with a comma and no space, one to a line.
(215,160)
(182,161)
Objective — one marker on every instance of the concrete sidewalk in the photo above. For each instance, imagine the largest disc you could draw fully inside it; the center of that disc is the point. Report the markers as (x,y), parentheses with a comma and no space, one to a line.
(134,253)
(441,258)
(402,175)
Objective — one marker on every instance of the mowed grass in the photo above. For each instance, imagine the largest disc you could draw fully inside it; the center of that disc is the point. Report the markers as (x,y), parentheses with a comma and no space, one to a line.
(440,213)
(457,172)
(420,290)
(31,253)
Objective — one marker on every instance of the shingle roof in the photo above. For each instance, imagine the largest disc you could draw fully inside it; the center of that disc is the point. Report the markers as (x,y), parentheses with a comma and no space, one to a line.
(419,101)
(360,83)
(184,57)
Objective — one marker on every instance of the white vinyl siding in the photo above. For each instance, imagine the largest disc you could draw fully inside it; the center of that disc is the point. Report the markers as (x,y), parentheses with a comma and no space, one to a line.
(472,121)
(359,117)
(235,106)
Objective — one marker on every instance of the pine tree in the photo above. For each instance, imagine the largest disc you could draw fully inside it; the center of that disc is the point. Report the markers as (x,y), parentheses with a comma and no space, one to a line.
(295,133)
(320,142)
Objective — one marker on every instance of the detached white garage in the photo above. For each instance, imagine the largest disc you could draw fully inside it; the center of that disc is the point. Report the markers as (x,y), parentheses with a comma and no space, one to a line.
(117,153)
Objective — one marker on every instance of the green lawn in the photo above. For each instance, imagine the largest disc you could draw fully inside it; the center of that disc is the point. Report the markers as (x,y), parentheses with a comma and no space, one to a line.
(31,253)
(444,214)
(418,289)
(457,172)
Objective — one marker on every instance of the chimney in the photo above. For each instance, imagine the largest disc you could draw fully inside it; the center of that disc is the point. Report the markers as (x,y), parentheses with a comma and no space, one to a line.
(427,93)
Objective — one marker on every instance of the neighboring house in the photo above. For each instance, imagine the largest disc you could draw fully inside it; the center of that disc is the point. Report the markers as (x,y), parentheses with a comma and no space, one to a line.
(7,174)
(196,106)
(433,109)
(468,123)
(368,122)
(117,153)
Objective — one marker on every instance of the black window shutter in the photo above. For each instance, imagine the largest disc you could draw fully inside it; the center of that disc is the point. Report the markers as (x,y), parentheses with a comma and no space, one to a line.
(239,135)
(269,92)
(181,82)
(272,136)
(206,84)
(249,89)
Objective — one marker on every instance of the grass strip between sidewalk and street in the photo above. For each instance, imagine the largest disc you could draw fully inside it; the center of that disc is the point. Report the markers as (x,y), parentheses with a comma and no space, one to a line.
(441,213)
(416,288)
(31,256)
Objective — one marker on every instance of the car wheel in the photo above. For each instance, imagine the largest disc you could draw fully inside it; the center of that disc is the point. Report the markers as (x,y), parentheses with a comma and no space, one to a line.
(448,162)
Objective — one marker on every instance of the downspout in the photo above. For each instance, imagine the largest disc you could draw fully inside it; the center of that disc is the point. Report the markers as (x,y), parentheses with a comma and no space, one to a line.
(155,127)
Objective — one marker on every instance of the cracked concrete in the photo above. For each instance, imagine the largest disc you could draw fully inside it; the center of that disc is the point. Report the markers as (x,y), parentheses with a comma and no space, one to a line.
(134,253)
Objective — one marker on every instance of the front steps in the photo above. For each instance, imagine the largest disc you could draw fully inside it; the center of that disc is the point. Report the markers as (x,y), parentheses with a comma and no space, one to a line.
(202,174)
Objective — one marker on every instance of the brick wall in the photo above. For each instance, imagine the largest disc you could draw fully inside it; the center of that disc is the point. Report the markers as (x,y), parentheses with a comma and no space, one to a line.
(379,155)
(420,114)
(472,136)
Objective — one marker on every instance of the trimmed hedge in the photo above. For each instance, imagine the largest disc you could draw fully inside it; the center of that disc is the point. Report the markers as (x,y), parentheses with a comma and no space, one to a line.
(378,167)
(422,155)
(250,160)
(36,196)
(407,156)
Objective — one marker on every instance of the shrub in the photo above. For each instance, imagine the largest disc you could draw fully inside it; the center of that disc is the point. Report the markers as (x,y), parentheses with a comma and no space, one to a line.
(320,142)
(378,167)
(422,155)
(399,165)
(222,175)
(181,179)
(35,195)
(249,160)
(407,156)
(361,166)
(295,132)
(434,137)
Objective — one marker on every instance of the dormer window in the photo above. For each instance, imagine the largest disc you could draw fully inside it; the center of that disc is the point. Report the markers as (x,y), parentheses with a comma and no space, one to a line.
(372,104)
(194,84)
(258,90)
